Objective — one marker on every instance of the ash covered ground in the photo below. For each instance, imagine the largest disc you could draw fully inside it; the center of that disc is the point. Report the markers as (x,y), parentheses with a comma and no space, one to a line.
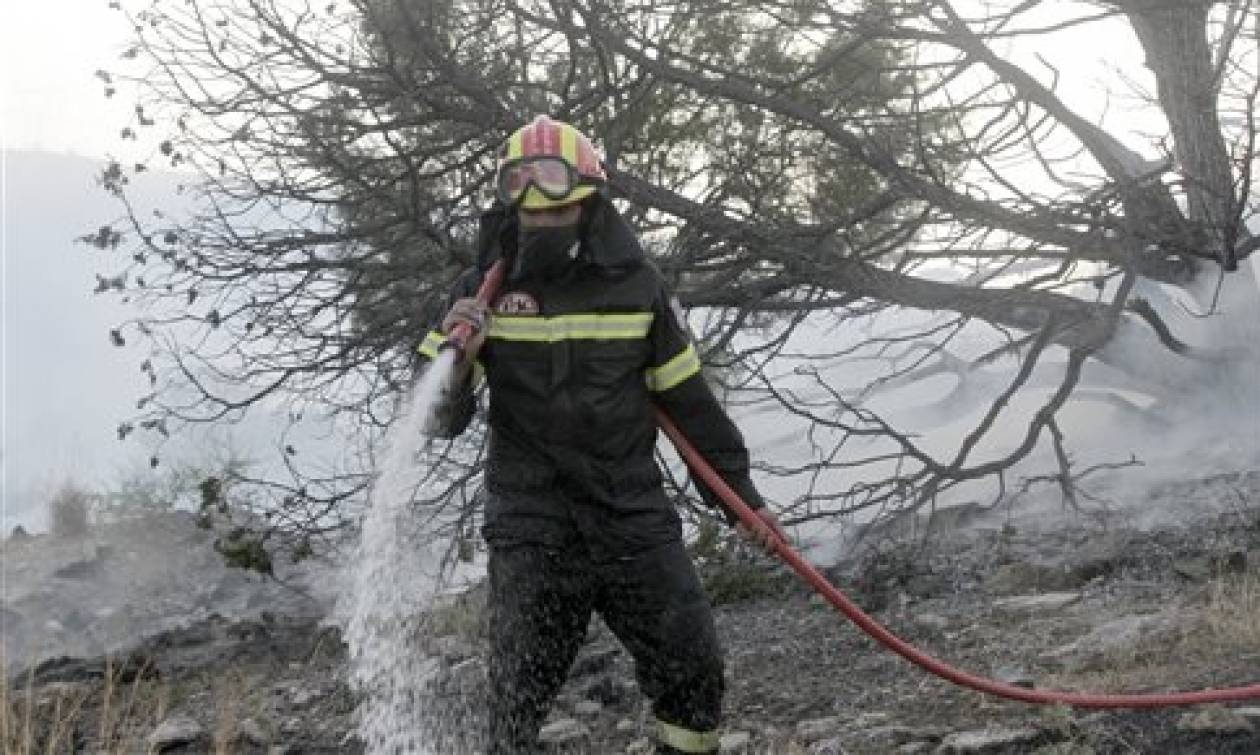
(138,638)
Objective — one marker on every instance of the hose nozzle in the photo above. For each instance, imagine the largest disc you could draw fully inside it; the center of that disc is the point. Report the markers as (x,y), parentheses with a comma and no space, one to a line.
(457,339)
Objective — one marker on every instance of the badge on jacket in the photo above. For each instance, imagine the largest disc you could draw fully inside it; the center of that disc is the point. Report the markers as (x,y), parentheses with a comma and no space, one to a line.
(516,303)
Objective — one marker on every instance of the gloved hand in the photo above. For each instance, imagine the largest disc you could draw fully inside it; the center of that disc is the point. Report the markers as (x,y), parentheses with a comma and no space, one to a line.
(472,312)
(767,534)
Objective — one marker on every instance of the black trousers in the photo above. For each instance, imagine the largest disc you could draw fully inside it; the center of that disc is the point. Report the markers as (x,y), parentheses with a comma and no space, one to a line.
(541,601)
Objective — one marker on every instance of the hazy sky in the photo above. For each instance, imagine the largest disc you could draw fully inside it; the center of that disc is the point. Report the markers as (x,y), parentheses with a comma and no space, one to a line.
(57,416)
(50,49)
(49,96)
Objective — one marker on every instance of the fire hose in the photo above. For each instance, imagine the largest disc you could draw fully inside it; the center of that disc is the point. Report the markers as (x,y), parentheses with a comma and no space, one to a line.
(700,467)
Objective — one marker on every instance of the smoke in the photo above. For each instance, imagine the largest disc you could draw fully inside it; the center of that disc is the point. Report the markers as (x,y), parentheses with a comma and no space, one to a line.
(1142,417)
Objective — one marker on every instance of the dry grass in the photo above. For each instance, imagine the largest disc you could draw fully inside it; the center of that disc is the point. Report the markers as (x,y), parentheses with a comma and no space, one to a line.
(1216,639)
(229,698)
(59,716)
(1232,616)
(116,716)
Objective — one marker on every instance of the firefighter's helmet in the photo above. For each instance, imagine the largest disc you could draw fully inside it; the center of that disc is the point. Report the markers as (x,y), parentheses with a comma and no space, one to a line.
(548,164)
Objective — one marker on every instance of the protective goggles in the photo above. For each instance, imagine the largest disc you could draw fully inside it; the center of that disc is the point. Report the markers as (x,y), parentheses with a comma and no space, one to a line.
(554,178)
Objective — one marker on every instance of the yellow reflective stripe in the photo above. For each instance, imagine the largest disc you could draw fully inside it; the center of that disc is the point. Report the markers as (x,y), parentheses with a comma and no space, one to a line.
(568,146)
(431,343)
(685,364)
(570,327)
(515,147)
(686,740)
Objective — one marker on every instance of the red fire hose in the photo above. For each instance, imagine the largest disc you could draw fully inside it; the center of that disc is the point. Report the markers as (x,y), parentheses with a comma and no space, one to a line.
(458,338)
(899,646)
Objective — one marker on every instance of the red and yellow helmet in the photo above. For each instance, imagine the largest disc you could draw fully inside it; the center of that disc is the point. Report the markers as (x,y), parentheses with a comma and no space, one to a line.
(548,164)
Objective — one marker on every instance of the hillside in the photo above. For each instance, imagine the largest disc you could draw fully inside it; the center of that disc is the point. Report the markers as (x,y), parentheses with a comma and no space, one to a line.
(251,666)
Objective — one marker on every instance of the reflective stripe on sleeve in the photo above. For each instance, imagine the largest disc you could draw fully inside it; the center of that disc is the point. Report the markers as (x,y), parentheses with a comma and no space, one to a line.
(432,344)
(686,740)
(685,364)
(571,327)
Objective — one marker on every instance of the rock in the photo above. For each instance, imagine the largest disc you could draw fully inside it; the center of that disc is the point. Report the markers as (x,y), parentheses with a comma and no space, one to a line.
(1023,604)
(887,736)
(452,646)
(65,691)
(1022,577)
(1203,568)
(175,731)
(734,742)
(817,729)
(1250,712)
(870,719)
(595,661)
(604,689)
(253,731)
(931,621)
(1065,748)
(914,748)
(85,569)
(1015,675)
(587,708)
(984,740)
(832,746)
(626,726)
(1230,562)
(1096,557)
(563,731)
(1197,569)
(300,695)
(958,516)
(63,669)
(1215,719)
(19,534)
(641,746)
(927,585)
(1092,649)
(465,678)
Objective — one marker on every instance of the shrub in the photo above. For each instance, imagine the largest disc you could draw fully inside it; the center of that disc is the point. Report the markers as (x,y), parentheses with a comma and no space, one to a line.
(69,511)
(731,570)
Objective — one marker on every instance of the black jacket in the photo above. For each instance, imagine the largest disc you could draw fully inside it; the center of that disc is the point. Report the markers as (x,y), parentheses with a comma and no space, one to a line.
(574,366)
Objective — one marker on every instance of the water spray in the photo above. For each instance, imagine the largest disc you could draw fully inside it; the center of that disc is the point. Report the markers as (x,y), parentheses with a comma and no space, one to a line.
(394,577)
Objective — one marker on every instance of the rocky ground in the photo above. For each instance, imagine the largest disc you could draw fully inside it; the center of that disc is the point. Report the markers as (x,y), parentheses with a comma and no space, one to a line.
(251,666)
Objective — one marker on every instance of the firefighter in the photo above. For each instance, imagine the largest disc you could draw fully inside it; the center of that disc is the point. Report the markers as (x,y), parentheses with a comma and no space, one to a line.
(581,342)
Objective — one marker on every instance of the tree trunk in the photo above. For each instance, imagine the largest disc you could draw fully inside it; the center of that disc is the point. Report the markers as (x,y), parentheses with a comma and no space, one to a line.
(1174,37)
